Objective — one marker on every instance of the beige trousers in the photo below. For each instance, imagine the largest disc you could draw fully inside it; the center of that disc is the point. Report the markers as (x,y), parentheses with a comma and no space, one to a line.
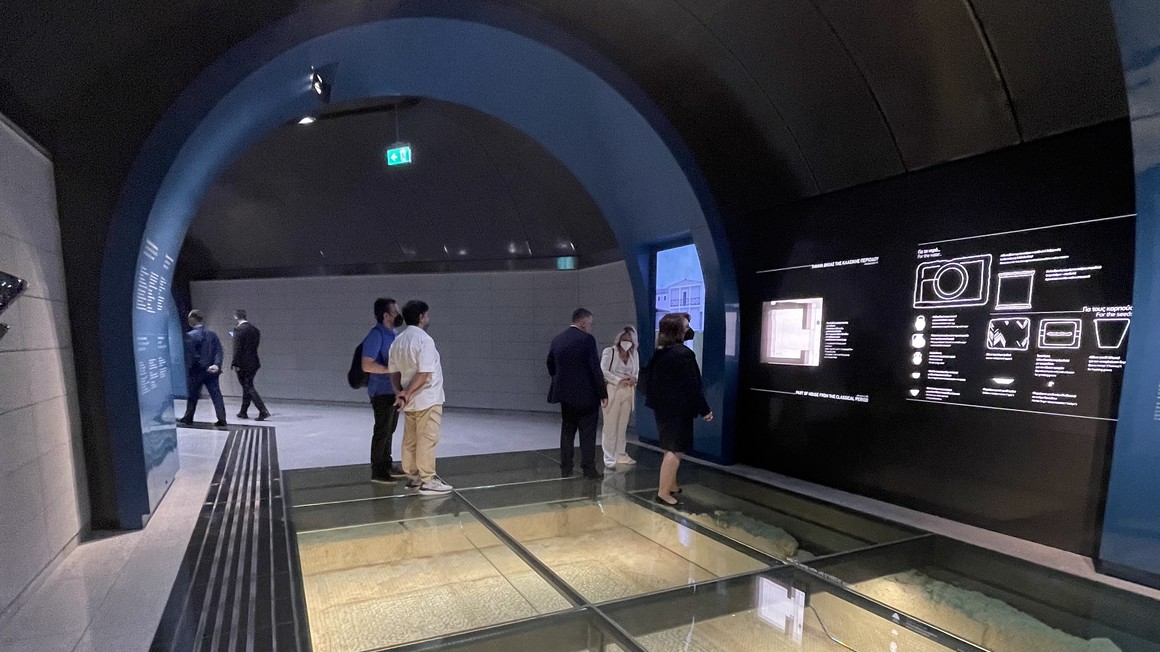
(616,414)
(420,434)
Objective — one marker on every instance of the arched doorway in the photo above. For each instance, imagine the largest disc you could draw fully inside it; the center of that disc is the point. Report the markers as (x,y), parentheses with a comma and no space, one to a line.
(595,121)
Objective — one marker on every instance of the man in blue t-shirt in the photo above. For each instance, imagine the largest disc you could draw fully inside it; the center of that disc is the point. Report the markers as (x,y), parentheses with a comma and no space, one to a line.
(374,350)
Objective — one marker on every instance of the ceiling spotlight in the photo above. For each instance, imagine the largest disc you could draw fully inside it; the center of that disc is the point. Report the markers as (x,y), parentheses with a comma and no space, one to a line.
(307,120)
(320,87)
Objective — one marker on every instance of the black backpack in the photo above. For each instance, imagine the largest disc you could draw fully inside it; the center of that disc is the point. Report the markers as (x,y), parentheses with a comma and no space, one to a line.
(356,377)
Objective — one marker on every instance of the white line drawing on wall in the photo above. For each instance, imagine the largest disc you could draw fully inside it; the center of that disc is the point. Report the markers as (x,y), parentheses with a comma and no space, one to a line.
(1012,334)
(916,358)
(953,283)
(1060,333)
(791,332)
(1014,290)
(1002,380)
(1111,331)
(917,340)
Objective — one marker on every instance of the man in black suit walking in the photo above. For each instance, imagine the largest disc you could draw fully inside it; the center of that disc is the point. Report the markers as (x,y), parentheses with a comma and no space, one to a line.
(578,386)
(246,340)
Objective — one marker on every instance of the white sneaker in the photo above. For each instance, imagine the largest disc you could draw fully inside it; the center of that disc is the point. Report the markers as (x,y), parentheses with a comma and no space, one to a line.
(610,466)
(626,460)
(436,487)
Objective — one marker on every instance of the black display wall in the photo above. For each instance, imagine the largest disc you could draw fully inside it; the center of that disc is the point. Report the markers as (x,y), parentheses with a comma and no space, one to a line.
(911,360)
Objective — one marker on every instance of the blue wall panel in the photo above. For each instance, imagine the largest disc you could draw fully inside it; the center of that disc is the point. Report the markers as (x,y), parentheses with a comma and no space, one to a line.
(1130,546)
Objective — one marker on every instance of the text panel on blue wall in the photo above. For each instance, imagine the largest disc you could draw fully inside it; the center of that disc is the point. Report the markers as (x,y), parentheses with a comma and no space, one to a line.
(151,321)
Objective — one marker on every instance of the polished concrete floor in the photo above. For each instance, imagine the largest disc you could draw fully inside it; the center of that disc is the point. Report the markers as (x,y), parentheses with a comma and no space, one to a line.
(109,593)
(335,434)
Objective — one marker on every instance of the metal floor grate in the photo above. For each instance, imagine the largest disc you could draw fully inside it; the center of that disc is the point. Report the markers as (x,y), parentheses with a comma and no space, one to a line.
(236,588)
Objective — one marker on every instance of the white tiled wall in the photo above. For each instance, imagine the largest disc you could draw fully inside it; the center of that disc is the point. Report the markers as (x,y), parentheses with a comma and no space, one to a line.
(43,492)
(492,329)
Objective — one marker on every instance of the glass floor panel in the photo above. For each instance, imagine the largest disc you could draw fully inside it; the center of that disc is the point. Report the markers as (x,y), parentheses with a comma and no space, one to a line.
(782,525)
(999,602)
(351,483)
(607,546)
(573,631)
(385,583)
(778,610)
(513,561)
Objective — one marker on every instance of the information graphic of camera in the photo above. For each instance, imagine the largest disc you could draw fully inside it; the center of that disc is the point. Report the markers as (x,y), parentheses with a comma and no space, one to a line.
(953,283)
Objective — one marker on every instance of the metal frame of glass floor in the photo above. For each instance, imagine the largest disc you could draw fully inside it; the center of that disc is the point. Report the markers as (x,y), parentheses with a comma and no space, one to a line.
(519,559)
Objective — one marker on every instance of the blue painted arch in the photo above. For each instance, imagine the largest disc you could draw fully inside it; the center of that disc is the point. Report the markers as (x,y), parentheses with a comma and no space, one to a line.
(575,104)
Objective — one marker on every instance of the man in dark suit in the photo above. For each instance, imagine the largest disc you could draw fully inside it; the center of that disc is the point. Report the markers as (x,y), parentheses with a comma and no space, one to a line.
(203,361)
(246,365)
(578,386)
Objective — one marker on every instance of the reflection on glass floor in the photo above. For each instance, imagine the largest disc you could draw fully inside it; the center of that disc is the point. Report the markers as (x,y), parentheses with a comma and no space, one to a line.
(572,564)
(780,610)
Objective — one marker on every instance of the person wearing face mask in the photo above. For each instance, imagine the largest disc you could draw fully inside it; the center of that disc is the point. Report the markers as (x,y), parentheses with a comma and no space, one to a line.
(675,395)
(375,351)
(621,366)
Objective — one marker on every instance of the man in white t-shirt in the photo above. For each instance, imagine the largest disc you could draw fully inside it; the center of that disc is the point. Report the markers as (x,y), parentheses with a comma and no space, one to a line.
(417,376)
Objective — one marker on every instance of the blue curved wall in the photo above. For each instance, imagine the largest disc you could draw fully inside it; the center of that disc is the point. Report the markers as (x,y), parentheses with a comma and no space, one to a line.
(577,106)
(1130,546)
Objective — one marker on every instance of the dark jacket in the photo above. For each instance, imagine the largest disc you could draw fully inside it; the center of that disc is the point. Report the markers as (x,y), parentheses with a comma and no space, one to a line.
(203,349)
(574,365)
(674,386)
(246,340)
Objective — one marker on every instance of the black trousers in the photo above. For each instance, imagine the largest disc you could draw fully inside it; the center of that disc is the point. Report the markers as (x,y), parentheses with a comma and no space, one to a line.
(585,420)
(197,379)
(386,418)
(246,380)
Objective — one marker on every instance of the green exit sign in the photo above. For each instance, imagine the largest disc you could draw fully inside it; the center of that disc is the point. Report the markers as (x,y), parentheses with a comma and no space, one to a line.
(399,154)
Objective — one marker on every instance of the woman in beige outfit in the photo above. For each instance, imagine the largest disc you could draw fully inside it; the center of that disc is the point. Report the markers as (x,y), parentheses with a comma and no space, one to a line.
(620,365)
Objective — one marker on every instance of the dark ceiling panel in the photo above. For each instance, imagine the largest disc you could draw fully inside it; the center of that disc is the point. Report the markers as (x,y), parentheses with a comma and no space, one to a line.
(931,73)
(321,195)
(1060,59)
(704,10)
(740,140)
(804,71)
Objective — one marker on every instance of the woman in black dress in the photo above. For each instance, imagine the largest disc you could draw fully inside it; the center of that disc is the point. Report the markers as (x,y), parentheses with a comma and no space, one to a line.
(676,398)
